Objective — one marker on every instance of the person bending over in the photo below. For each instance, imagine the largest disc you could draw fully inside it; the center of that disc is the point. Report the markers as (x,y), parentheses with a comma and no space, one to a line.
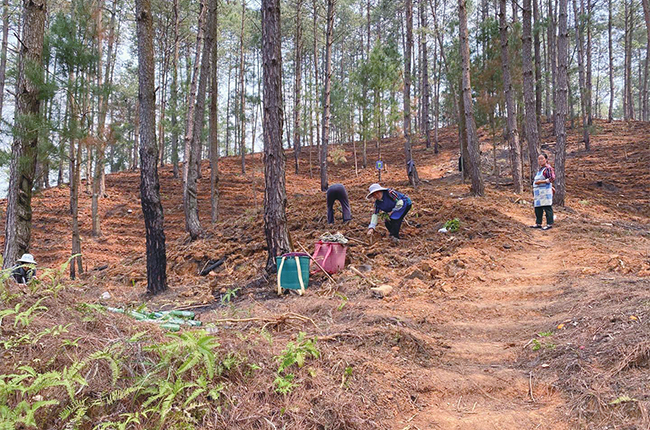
(395,204)
(337,192)
(25,269)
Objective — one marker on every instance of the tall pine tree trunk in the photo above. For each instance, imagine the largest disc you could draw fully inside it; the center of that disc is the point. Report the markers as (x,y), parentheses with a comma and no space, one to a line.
(610,115)
(298,85)
(75,180)
(513,132)
(190,194)
(149,183)
(646,14)
(552,44)
(426,89)
(579,19)
(3,52)
(477,187)
(214,127)
(530,106)
(24,149)
(96,230)
(242,93)
(111,58)
(562,102)
(411,170)
(173,102)
(191,96)
(275,194)
(538,66)
(588,73)
(326,94)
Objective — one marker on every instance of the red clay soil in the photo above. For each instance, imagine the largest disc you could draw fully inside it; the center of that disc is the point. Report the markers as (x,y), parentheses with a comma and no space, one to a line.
(457,345)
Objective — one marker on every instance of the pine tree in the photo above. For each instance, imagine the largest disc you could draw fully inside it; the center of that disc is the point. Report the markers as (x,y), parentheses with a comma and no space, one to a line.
(275,195)
(149,183)
(477,187)
(24,149)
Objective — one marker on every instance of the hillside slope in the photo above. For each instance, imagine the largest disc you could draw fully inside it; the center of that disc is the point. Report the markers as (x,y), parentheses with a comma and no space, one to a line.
(458,343)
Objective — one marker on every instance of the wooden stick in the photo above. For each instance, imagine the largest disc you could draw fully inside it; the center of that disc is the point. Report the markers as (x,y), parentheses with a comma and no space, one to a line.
(358,241)
(318,264)
(354,269)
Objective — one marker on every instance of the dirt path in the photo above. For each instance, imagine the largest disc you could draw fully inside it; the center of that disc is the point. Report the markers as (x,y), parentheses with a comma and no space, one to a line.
(479,385)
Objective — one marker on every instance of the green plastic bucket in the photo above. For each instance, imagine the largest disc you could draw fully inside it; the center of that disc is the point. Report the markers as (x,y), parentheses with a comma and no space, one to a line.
(288,276)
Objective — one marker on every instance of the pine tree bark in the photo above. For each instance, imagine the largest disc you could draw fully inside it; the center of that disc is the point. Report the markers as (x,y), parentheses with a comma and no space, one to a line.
(3,52)
(630,99)
(646,14)
(24,149)
(111,58)
(512,131)
(149,183)
(173,102)
(214,127)
(610,115)
(436,97)
(581,73)
(190,194)
(76,265)
(96,230)
(628,102)
(588,73)
(275,195)
(477,187)
(366,111)
(411,170)
(242,92)
(191,96)
(136,137)
(316,74)
(326,94)
(552,44)
(562,102)
(538,66)
(426,89)
(297,86)
(531,103)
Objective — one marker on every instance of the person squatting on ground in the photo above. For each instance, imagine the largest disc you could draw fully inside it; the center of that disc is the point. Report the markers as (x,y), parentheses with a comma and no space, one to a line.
(25,270)
(337,192)
(393,203)
(543,193)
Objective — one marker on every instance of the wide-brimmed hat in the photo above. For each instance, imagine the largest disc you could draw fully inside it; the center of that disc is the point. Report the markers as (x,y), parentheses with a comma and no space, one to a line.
(27,258)
(374,188)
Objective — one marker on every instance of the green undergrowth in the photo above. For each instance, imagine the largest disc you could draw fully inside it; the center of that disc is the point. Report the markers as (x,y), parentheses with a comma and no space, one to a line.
(73,365)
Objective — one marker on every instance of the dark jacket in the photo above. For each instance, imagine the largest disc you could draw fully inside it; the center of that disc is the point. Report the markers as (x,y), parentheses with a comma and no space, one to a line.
(23,274)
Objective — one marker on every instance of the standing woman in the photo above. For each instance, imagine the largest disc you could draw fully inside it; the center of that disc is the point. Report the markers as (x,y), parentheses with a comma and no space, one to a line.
(543,193)
(392,202)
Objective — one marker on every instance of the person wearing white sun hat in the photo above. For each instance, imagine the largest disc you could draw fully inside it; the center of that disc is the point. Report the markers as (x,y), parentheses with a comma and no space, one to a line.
(392,202)
(25,270)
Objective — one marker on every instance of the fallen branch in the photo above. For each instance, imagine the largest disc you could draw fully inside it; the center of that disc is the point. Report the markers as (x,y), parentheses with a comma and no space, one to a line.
(209,268)
(335,336)
(274,320)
